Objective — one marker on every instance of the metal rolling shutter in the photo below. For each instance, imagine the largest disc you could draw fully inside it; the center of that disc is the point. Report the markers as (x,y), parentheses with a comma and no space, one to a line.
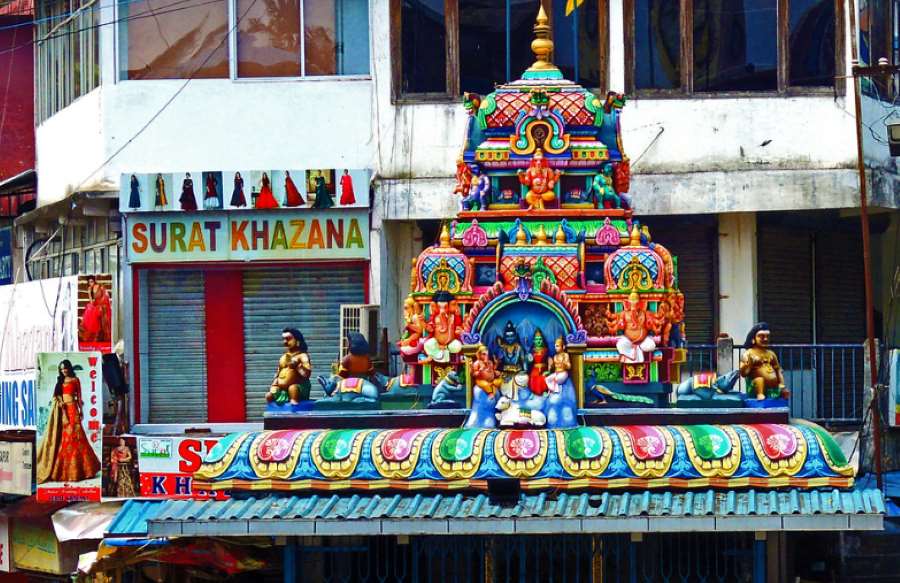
(693,241)
(176,326)
(840,288)
(785,283)
(305,298)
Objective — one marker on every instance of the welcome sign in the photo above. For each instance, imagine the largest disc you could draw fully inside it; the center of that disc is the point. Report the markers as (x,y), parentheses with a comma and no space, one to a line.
(243,236)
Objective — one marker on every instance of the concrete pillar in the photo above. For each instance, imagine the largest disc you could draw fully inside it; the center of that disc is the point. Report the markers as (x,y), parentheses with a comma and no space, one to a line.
(399,243)
(737,273)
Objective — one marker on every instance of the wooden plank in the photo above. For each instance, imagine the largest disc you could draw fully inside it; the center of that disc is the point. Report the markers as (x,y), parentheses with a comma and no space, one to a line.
(451,20)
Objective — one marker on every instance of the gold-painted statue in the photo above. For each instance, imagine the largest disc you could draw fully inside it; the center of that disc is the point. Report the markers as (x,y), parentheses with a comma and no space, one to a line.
(540,180)
(484,371)
(292,379)
(759,365)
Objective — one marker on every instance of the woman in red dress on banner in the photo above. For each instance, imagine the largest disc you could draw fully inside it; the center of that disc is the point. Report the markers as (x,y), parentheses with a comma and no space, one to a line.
(65,454)
(347,196)
(292,195)
(265,199)
(95,323)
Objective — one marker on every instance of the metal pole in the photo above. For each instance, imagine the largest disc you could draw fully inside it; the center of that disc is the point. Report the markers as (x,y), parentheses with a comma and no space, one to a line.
(881,69)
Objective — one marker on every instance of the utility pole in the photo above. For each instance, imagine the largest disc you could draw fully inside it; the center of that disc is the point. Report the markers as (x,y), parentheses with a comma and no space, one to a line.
(882,69)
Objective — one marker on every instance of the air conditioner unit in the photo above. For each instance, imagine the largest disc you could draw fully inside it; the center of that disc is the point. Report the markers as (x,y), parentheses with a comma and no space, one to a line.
(362,318)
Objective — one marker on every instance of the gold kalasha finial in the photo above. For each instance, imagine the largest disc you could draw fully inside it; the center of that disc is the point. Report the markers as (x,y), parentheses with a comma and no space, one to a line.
(445,236)
(542,45)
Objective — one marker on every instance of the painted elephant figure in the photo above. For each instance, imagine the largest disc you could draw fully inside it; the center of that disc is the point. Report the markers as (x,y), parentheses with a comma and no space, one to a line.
(340,389)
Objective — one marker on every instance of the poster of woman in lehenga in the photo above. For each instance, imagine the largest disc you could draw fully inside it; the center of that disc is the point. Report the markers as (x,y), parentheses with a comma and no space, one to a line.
(212,190)
(65,453)
(262,195)
(320,188)
(120,474)
(94,313)
(353,188)
(287,185)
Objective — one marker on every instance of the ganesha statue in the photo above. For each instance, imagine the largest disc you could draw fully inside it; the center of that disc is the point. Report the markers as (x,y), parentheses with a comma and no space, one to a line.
(540,180)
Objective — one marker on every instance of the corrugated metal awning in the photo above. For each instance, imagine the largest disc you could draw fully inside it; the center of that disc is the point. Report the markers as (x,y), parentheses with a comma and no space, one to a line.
(347,515)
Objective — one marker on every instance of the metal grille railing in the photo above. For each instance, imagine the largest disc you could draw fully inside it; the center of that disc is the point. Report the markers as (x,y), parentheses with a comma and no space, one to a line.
(548,558)
(826,380)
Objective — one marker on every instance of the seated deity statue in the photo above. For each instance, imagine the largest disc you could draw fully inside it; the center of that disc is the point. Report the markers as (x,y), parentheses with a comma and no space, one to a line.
(413,328)
(540,180)
(358,362)
(536,381)
(561,366)
(637,325)
(292,377)
(509,352)
(484,371)
(759,365)
(444,328)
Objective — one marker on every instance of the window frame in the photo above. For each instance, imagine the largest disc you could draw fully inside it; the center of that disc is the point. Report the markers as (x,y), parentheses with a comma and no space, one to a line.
(232,49)
(451,24)
(686,20)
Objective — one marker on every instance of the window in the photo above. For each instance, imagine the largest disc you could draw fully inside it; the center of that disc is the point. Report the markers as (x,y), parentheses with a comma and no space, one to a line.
(716,46)
(67,61)
(875,41)
(446,47)
(168,39)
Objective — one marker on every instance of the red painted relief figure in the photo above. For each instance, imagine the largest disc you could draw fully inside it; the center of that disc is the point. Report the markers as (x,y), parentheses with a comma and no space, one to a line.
(759,365)
(484,371)
(265,199)
(536,381)
(413,329)
(292,195)
(444,328)
(540,180)
(637,324)
(291,382)
(348,197)
(463,178)
(65,454)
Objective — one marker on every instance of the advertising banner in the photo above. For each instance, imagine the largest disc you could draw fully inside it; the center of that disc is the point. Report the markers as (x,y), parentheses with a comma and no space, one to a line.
(120,467)
(15,467)
(37,316)
(893,361)
(69,429)
(212,190)
(6,271)
(167,464)
(248,236)
(95,313)
(17,404)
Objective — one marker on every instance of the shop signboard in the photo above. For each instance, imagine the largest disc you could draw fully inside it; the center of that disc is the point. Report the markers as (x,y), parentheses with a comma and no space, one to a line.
(167,464)
(95,313)
(15,467)
(245,190)
(248,236)
(69,426)
(6,270)
(38,316)
(17,404)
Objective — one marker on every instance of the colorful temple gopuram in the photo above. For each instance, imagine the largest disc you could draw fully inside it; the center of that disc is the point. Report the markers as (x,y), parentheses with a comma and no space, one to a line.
(543,342)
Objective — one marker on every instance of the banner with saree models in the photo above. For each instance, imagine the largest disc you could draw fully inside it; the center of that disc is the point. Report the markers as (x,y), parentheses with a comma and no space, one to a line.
(69,428)
(95,313)
(248,236)
(894,386)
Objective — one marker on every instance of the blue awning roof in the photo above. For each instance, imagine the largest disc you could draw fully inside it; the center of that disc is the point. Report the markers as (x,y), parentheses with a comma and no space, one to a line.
(465,513)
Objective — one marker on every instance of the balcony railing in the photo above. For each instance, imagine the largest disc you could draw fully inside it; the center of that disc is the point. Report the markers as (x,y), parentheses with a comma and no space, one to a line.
(826,380)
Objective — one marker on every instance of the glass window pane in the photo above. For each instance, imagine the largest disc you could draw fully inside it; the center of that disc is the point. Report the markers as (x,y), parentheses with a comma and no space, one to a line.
(874,42)
(268,38)
(169,39)
(811,42)
(657,44)
(482,45)
(423,46)
(735,45)
(521,21)
(576,40)
(336,33)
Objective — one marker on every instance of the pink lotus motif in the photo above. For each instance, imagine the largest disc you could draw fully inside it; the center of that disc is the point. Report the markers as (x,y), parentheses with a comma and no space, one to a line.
(608,234)
(475,236)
